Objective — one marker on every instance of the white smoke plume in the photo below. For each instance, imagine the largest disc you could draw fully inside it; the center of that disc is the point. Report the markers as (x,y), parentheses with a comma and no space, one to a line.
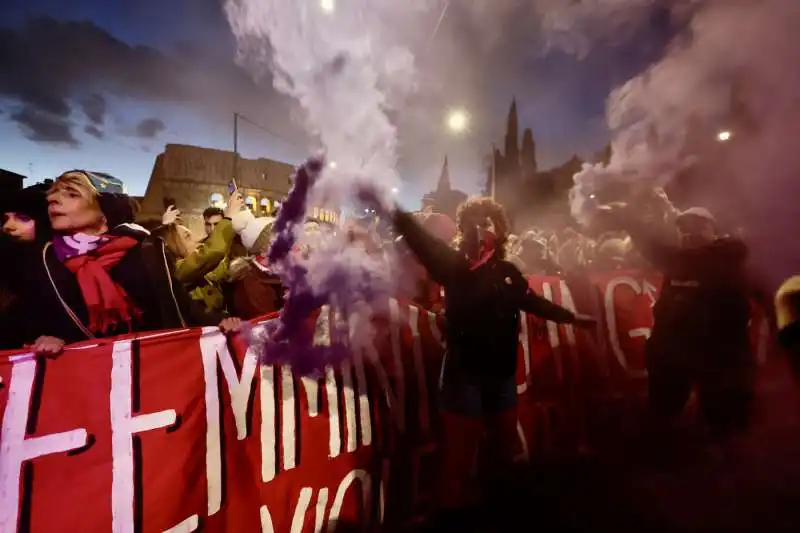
(739,48)
(349,64)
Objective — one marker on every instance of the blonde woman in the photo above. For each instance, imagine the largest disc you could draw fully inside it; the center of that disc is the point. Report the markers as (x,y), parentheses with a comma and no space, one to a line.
(98,277)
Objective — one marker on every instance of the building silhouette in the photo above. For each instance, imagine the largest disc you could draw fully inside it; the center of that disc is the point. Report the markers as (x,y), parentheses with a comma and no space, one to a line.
(444,199)
(10,182)
(529,194)
(196,178)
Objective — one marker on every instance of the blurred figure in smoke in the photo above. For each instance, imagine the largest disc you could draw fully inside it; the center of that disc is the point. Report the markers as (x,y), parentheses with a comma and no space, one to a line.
(484,295)
(700,332)
(612,254)
(535,257)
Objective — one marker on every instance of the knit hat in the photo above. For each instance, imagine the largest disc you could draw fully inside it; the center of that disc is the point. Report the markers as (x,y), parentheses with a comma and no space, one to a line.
(255,233)
(30,201)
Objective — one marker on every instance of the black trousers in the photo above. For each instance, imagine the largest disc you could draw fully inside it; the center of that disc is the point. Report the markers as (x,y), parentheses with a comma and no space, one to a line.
(724,377)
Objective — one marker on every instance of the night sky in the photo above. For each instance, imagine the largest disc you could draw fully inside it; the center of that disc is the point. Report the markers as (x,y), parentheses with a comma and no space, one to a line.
(105,85)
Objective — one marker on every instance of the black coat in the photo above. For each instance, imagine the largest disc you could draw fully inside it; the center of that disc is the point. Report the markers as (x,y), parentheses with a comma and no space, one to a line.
(705,298)
(482,306)
(50,302)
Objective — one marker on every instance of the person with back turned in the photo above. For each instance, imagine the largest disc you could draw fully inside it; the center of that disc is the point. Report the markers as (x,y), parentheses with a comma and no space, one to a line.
(484,295)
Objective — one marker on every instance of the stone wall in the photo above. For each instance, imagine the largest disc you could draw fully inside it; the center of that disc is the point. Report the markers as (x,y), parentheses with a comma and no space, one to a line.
(193,176)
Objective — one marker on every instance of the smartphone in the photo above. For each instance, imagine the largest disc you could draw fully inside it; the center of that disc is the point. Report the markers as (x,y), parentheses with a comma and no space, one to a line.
(169,202)
(232,188)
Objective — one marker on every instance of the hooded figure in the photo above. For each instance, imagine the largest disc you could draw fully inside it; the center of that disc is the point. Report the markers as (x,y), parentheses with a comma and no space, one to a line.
(700,331)
(484,295)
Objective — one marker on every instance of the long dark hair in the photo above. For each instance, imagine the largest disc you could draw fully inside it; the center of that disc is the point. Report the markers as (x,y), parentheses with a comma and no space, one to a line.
(475,211)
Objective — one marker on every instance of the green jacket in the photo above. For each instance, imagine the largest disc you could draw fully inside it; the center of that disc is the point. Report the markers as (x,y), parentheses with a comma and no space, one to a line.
(203,270)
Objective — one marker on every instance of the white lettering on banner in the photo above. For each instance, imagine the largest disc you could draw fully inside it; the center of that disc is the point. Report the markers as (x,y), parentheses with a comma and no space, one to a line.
(124,425)
(15,449)
(568,303)
(526,352)
(187,526)
(364,409)
(266,520)
(419,367)
(213,348)
(552,335)
(311,386)
(611,320)
(268,423)
(288,422)
(338,500)
(334,430)
(214,343)
(349,407)
(300,510)
(319,510)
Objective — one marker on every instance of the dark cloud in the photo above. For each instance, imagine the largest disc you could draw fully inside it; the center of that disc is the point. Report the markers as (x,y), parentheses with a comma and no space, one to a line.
(41,126)
(94,131)
(149,128)
(49,64)
(94,107)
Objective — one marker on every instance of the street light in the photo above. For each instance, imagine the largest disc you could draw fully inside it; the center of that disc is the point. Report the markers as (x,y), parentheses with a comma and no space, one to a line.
(332,164)
(457,121)
(395,190)
(328,6)
(724,136)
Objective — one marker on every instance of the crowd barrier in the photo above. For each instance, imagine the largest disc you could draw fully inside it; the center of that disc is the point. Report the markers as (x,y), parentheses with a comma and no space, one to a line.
(179,431)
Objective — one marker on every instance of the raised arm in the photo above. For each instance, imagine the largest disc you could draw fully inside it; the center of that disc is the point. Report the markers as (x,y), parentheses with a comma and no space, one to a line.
(653,247)
(442,262)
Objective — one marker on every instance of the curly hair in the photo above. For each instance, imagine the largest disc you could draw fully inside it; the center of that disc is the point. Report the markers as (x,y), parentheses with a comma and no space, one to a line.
(475,211)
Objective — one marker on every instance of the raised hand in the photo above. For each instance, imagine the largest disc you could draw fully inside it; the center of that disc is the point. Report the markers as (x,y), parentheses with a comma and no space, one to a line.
(170,216)
(235,204)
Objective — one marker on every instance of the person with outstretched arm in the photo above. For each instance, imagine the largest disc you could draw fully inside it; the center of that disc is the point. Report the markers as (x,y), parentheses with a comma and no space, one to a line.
(484,295)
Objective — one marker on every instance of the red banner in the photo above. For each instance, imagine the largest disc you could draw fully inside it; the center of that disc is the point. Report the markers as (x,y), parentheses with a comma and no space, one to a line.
(175,431)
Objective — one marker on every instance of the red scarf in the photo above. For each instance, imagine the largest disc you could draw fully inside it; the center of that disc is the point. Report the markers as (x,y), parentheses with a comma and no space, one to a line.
(487,249)
(107,302)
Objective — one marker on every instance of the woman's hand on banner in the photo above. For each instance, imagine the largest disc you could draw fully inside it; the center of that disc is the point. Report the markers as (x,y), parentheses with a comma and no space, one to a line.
(230,325)
(47,346)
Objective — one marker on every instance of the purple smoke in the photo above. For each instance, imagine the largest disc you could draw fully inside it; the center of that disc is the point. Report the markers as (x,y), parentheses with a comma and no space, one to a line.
(339,275)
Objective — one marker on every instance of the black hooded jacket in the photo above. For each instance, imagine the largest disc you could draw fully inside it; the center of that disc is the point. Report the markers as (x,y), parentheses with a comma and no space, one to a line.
(482,305)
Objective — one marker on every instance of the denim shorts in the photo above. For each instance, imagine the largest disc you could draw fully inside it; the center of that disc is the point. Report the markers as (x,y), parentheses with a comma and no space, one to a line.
(478,398)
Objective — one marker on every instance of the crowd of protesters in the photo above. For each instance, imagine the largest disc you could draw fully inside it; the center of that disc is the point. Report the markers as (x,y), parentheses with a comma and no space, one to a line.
(78,266)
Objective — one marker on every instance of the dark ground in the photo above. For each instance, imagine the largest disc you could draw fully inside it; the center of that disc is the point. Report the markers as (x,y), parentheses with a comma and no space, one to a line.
(676,484)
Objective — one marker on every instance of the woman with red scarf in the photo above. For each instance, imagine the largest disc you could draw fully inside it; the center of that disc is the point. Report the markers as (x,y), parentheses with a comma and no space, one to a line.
(100,275)
(484,295)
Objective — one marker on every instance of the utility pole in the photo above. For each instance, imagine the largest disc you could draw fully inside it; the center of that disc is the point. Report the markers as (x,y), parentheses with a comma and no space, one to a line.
(235,147)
